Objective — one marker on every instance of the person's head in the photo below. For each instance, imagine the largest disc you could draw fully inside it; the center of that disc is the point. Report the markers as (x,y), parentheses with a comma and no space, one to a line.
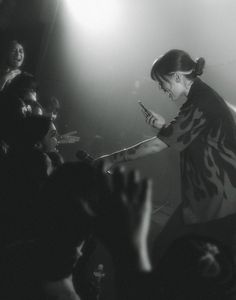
(34,107)
(197,267)
(100,267)
(34,131)
(24,86)
(53,107)
(175,71)
(15,56)
(30,95)
(49,141)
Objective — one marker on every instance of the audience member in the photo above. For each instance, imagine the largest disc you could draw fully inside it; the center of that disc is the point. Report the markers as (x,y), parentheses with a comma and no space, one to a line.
(12,62)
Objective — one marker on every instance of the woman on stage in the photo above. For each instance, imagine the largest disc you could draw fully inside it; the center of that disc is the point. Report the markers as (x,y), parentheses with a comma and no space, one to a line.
(204,132)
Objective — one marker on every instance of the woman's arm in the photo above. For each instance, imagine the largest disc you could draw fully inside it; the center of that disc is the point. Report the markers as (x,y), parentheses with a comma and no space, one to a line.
(142,149)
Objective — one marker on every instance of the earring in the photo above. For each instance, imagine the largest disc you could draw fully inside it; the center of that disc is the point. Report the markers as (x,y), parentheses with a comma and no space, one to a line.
(177,77)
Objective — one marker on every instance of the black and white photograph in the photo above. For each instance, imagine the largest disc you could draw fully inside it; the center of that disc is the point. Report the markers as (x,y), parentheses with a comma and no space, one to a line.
(117,150)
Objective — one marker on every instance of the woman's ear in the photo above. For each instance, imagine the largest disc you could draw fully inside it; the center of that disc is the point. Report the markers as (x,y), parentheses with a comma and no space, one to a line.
(177,77)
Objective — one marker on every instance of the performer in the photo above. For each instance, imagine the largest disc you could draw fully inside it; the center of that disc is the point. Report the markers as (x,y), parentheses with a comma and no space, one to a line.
(203,132)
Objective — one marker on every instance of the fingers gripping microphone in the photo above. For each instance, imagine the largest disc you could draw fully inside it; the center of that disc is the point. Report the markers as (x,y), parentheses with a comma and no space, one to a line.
(84,156)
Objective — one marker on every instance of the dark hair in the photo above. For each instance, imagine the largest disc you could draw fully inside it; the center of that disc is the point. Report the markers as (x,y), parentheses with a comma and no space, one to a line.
(27,131)
(21,84)
(176,60)
(35,107)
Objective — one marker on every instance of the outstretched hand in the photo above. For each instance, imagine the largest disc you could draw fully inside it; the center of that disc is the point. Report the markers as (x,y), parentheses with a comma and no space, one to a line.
(68,138)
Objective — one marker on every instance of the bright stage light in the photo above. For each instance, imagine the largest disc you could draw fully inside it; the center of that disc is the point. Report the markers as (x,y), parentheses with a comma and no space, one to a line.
(94,14)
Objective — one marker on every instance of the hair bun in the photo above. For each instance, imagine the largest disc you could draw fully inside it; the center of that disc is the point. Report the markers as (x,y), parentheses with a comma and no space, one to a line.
(199,66)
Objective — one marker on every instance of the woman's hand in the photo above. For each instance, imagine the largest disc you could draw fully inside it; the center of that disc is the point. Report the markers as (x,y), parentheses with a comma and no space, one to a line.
(153,119)
(68,138)
(8,77)
(11,74)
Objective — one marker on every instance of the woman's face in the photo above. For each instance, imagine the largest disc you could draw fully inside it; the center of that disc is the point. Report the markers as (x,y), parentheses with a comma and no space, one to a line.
(16,56)
(174,86)
(50,141)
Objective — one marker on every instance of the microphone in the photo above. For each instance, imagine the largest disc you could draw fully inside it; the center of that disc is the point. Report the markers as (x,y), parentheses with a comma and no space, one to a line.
(84,156)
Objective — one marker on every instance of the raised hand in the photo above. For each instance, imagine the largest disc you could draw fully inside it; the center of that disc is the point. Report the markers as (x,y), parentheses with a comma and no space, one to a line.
(68,138)
(8,77)
(124,213)
(153,119)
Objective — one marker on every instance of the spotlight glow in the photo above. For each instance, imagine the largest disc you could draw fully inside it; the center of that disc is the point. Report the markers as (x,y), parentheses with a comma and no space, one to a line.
(94,14)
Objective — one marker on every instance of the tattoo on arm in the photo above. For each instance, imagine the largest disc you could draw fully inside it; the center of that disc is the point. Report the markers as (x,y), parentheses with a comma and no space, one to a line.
(131,153)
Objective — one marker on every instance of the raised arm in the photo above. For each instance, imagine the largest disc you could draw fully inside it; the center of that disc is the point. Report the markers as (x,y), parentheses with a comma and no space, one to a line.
(142,149)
